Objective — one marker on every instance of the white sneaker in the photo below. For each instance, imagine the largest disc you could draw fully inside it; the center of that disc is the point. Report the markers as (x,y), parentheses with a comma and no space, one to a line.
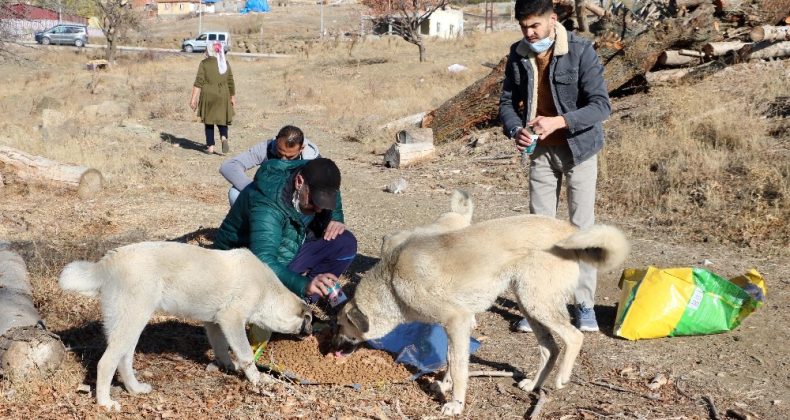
(523,326)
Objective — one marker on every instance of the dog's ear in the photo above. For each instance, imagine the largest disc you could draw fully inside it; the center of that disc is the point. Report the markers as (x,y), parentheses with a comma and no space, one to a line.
(359,319)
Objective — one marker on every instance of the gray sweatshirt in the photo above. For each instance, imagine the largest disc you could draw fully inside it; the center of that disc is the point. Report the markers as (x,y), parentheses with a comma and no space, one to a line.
(235,168)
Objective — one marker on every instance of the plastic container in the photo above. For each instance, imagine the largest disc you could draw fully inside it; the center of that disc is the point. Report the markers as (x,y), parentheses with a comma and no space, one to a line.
(336,295)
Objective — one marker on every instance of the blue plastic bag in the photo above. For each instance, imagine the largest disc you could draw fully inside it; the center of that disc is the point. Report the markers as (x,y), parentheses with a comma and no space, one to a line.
(420,345)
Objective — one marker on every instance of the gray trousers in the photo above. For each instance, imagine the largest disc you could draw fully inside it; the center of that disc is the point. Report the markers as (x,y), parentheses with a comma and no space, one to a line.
(547,168)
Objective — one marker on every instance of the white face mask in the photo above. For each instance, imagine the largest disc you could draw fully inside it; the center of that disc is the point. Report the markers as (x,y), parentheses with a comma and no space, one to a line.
(295,200)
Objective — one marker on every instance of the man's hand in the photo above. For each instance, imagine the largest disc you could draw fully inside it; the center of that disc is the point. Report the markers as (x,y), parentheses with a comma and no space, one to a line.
(543,126)
(333,229)
(233,101)
(320,284)
(522,139)
(193,103)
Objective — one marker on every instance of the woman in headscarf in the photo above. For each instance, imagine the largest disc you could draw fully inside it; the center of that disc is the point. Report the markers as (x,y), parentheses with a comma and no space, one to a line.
(214,95)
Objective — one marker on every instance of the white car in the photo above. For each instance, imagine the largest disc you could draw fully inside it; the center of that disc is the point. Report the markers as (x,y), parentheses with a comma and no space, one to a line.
(199,44)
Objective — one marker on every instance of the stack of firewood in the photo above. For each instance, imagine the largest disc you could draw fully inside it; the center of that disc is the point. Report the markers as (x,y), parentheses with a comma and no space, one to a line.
(641,43)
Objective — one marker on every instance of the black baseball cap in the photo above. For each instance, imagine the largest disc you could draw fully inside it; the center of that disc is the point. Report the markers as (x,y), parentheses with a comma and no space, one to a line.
(323,179)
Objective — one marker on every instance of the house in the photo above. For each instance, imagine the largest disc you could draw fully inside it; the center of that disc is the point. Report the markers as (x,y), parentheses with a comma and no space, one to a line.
(22,20)
(146,7)
(444,23)
(182,7)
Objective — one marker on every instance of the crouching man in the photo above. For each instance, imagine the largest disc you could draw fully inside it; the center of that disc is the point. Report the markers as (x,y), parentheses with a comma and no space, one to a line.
(291,218)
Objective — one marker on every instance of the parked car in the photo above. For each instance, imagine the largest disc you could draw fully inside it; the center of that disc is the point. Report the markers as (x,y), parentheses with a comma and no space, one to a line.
(68,34)
(199,44)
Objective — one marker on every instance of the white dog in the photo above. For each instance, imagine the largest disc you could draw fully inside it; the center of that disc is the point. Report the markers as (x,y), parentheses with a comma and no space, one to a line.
(224,289)
(449,277)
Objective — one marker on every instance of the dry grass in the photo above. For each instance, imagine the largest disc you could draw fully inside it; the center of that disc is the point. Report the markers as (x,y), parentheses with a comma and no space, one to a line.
(689,162)
(705,163)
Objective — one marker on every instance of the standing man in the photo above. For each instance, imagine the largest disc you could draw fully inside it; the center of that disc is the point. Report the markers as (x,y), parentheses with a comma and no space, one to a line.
(558,79)
(289,144)
(291,218)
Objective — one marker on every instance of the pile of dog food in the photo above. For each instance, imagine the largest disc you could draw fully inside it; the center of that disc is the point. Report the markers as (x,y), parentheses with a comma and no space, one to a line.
(310,360)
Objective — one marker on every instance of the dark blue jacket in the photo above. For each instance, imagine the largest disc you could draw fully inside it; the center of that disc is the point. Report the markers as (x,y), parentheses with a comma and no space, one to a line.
(577,87)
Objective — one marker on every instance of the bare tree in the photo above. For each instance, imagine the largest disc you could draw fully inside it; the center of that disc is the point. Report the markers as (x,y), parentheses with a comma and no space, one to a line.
(117,17)
(405,17)
(6,31)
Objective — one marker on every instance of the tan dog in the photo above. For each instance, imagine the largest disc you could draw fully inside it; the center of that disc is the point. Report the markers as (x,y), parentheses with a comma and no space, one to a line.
(459,216)
(449,277)
(224,289)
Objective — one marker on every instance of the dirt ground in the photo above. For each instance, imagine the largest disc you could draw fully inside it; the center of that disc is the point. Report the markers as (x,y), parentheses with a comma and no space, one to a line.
(161,186)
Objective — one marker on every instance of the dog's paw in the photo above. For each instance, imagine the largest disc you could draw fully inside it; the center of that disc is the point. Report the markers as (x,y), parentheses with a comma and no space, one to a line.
(559,383)
(266,379)
(140,388)
(253,376)
(452,408)
(110,405)
(527,385)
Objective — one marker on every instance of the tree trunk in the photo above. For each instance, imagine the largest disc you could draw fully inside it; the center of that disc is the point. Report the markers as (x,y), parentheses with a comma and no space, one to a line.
(761,50)
(677,58)
(16,304)
(581,15)
(88,181)
(770,33)
(109,53)
(625,62)
(26,348)
(664,77)
(623,67)
(718,49)
(412,145)
(477,105)
(421,46)
(728,5)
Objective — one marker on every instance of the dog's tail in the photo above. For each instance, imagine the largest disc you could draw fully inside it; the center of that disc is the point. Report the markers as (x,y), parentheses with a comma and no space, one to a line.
(82,277)
(462,203)
(604,247)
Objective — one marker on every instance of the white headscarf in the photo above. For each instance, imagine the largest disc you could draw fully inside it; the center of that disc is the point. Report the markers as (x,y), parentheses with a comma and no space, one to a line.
(216,50)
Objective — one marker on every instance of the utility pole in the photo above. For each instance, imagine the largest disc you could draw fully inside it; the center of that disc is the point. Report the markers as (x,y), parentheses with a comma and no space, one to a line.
(200,17)
(321,2)
(489,17)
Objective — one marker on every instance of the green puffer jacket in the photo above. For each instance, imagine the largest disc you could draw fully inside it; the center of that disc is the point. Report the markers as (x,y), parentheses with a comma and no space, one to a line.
(264,220)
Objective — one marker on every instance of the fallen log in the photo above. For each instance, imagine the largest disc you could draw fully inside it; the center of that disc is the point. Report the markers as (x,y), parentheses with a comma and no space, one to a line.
(664,77)
(476,105)
(411,146)
(718,49)
(27,349)
(27,167)
(770,33)
(625,63)
(641,50)
(678,58)
(690,3)
(763,50)
(728,5)
(772,12)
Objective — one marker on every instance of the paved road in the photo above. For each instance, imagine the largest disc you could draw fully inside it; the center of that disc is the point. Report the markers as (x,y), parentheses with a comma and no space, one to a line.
(160,50)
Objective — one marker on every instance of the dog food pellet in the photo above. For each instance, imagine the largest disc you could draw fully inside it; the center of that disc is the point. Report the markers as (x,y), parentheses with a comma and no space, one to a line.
(305,359)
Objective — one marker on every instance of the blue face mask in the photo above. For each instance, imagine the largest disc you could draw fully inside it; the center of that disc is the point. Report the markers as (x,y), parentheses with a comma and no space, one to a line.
(541,45)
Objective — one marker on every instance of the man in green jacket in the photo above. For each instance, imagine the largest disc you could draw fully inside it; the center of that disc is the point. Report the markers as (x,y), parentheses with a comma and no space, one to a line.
(291,218)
